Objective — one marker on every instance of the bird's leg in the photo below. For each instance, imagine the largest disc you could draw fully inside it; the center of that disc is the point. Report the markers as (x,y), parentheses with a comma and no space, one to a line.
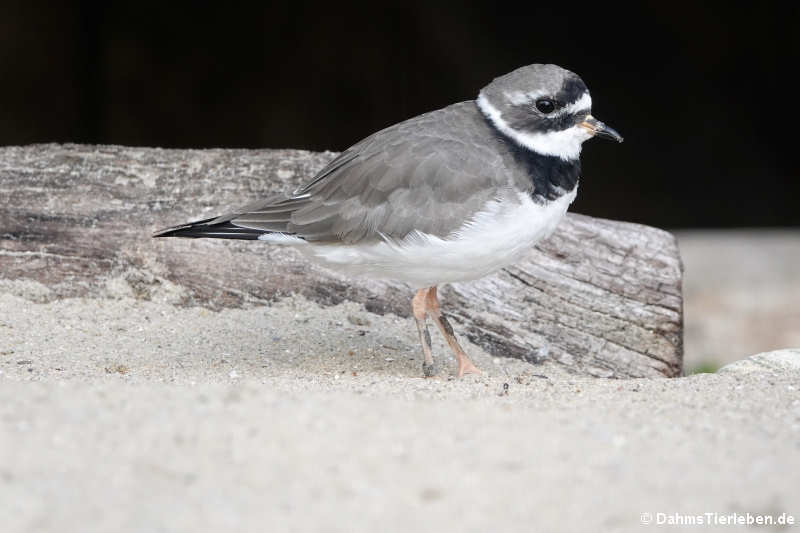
(420,315)
(465,366)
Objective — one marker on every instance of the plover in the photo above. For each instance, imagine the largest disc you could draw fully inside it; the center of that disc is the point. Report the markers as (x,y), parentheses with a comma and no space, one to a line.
(450,195)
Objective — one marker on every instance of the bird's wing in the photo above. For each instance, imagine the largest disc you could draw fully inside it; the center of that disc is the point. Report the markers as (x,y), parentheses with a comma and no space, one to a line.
(428,174)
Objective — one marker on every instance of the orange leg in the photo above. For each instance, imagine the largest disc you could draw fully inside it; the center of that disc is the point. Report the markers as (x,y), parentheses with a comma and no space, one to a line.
(420,315)
(465,366)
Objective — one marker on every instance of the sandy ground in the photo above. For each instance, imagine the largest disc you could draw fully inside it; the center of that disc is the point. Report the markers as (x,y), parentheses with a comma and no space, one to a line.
(124,415)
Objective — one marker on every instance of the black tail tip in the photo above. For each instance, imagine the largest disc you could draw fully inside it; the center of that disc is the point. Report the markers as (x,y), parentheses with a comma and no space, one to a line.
(205,230)
(174,231)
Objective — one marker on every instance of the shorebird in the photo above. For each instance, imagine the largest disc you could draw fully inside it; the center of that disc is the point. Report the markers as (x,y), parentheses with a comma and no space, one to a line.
(450,195)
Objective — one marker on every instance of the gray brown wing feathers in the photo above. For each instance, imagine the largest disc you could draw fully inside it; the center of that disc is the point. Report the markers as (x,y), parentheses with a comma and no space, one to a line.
(429,174)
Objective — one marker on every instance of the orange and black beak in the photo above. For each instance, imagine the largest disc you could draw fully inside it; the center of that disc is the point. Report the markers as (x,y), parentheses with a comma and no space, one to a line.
(599,129)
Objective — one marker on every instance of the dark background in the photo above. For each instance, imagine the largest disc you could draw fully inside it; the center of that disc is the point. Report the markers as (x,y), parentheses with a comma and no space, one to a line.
(704,95)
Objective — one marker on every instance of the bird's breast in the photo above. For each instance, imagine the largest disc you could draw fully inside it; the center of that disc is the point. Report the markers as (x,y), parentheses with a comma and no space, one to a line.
(498,235)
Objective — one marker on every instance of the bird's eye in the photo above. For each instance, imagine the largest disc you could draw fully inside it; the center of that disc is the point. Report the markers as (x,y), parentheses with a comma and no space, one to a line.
(545,105)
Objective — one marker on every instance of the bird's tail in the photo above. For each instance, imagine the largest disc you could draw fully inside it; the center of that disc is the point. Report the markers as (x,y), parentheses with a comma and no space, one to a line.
(212,228)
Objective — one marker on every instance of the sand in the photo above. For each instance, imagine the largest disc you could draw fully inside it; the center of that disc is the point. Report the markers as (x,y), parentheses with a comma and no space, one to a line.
(128,415)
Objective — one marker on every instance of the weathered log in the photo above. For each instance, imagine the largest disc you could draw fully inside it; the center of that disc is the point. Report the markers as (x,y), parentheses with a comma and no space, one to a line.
(600,297)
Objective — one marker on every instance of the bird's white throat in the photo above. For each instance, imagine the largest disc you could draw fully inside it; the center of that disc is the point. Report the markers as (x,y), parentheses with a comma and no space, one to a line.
(565,144)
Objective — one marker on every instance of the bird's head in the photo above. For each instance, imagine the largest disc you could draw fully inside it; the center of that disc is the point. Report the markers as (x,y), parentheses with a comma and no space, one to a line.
(544,108)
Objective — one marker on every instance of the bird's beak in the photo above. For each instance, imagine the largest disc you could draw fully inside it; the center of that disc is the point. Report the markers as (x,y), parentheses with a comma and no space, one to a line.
(600,129)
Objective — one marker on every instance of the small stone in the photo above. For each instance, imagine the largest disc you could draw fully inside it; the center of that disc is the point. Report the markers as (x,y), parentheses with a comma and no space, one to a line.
(430,494)
(118,368)
(357,320)
(394,344)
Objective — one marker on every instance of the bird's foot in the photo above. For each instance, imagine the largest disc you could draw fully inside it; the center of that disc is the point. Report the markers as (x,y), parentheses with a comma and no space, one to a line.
(465,366)
(428,369)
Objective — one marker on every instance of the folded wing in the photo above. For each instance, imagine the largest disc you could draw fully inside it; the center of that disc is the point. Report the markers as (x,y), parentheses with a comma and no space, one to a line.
(428,174)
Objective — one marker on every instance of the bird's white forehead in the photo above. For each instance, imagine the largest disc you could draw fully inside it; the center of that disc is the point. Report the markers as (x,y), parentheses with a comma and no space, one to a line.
(584,103)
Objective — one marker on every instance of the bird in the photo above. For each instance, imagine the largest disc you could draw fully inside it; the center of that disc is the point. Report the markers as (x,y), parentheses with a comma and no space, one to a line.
(451,195)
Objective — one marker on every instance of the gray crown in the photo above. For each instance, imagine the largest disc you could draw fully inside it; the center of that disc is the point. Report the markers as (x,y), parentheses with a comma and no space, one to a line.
(515,94)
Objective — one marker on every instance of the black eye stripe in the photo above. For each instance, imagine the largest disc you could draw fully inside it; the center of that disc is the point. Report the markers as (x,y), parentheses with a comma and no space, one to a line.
(572,89)
(526,116)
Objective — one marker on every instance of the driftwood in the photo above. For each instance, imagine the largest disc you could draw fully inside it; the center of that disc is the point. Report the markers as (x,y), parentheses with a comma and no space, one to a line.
(600,297)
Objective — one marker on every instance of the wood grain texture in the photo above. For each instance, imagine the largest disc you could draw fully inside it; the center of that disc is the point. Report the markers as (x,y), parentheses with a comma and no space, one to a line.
(602,298)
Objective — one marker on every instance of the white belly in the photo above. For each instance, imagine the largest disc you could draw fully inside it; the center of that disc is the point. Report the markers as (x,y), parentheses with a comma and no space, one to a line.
(496,237)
